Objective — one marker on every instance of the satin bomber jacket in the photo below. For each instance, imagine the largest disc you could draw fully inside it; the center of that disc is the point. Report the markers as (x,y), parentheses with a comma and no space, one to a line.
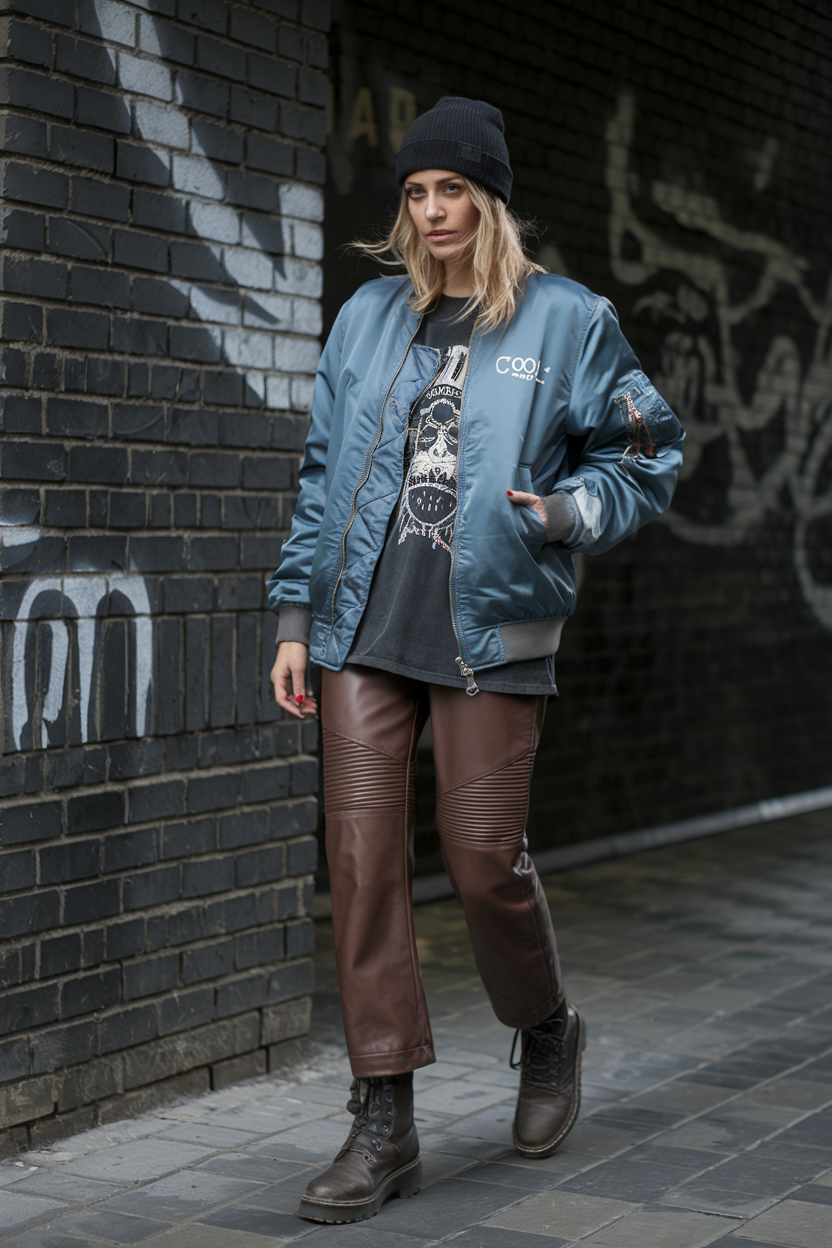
(560,383)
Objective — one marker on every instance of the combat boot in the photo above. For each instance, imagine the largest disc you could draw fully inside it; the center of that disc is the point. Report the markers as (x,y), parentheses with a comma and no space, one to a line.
(550,1083)
(379,1159)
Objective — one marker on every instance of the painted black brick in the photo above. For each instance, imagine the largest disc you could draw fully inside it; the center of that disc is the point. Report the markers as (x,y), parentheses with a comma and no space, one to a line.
(30,1008)
(186,1010)
(208,961)
(73,861)
(103,109)
(60,955)
(128,1028)
(82,240)
(161,212)
(94,812)
(86,903)
(150,976)
(262,866)
(21,414)
(127,411)
(100,286)
(71,146)
(139,164)
(63,1046)
(34,277)
(82,59)
(33,821)
(90,993)
(259,948)
(34,912)
(17,870)
(75,418)
(151,888)
(155,801)
(97,198)
(124,939)
(130,849)
(205,876)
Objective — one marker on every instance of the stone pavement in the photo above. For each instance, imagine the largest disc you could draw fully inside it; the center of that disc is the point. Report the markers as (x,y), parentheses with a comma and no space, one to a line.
(705,975)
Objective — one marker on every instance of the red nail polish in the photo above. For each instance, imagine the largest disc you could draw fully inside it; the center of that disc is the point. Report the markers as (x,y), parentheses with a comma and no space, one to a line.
(299,699)
(509,492)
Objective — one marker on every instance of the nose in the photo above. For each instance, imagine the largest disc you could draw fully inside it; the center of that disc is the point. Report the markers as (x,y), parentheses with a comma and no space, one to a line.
(434,208)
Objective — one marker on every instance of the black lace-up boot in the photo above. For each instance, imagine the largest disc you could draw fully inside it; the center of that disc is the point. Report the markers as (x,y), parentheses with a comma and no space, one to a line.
(358,1090)
(380,1157)
(550,1083)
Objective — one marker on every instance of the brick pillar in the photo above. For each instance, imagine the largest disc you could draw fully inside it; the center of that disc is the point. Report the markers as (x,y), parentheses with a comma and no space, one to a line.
(161,217)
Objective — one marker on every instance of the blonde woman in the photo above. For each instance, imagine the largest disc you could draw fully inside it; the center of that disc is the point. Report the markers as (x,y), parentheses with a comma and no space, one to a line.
(475,422)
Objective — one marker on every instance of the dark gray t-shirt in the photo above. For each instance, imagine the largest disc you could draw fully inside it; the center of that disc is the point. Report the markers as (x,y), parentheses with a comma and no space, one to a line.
(406,627)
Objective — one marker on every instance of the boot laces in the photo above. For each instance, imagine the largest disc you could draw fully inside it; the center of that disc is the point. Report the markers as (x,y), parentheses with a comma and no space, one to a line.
(541,1053)
(374,1120)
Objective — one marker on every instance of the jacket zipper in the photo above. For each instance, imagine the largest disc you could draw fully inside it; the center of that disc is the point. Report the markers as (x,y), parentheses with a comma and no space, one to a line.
(464,670)
(368,461)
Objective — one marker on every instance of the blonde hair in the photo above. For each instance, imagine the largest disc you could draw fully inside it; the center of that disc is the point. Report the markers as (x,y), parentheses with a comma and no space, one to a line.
(499,264)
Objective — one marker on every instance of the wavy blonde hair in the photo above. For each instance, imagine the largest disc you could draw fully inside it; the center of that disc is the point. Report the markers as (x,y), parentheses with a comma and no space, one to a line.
(499,264)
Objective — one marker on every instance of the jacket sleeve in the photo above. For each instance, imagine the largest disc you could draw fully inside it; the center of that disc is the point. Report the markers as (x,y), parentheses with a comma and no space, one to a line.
(290,583)
(631,440)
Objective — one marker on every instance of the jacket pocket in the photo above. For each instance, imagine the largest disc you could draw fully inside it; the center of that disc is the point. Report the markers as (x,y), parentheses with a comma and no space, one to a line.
(649,422)
(524,479)
(529,528)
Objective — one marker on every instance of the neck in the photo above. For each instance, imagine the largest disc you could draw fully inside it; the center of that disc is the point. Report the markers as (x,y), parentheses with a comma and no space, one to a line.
(458,283)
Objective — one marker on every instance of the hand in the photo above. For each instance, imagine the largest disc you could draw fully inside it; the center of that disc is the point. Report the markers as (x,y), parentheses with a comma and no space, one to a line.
(288,677)
(530,500)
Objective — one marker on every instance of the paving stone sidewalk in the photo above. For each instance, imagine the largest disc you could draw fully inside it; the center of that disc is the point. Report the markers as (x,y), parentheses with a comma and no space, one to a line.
(705,975)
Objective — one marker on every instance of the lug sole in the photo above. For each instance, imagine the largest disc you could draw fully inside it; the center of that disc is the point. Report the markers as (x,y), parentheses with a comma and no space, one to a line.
(551,1146)
(404,1183)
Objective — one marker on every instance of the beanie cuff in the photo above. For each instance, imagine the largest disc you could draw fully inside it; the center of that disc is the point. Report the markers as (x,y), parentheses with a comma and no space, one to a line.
(462,158)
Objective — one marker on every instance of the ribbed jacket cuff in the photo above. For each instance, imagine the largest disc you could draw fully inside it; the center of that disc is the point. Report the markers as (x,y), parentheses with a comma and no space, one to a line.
(564,522)
(294,623)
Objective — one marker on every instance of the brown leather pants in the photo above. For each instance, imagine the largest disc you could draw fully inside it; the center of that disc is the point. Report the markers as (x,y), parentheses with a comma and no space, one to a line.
(484,751)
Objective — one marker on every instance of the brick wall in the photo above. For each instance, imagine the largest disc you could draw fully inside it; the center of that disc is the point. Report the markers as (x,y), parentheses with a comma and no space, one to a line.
(677,159)
(161,218)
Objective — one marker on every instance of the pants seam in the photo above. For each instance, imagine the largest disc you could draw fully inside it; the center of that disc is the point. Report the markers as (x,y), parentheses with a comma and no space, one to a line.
(483,775)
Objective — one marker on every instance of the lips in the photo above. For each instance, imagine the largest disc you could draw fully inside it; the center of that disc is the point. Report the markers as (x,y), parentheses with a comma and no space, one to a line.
(439,235)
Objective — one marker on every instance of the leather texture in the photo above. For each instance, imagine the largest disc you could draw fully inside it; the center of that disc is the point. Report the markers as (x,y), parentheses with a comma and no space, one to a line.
(550,1084)
(379,1158)
(484,749)
(554,379)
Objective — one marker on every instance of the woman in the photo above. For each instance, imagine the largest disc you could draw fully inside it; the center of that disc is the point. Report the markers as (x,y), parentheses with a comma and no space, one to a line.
(474,423)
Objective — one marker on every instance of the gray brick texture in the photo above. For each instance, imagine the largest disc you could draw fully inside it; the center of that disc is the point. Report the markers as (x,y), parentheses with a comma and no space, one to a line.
(159,336)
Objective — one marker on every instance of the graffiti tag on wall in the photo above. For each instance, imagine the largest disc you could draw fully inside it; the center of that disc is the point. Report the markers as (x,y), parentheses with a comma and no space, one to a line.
(771,435)
(61,623)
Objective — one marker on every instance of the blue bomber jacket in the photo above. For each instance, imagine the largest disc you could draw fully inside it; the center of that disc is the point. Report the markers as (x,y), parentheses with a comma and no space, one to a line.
(559,383)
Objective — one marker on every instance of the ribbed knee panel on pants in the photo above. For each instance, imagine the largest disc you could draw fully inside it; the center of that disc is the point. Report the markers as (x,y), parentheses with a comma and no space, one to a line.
(489,810)
(360,778)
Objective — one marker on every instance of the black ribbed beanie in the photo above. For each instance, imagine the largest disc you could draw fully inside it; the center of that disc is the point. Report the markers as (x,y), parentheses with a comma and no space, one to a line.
(465,136)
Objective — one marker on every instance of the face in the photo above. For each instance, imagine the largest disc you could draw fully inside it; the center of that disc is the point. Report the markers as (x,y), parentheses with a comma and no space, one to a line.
(442,211)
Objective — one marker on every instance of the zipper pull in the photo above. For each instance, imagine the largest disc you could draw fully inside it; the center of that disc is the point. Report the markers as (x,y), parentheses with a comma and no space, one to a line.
(465,670)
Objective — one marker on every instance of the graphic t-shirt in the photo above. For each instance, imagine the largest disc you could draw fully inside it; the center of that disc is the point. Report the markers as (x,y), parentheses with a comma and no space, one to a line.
(406,627)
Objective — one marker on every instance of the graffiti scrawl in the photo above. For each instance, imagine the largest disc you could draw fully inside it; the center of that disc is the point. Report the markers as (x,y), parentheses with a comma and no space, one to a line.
(82,602)
(689,272)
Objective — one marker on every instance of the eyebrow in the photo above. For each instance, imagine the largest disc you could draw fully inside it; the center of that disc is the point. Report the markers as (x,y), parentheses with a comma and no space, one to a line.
(441,182)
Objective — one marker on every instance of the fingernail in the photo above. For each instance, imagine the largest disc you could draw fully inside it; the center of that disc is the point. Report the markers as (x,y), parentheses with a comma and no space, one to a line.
(299,699)
(509,492)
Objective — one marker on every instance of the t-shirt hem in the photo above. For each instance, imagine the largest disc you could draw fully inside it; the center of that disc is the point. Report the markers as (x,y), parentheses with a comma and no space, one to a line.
(489,684)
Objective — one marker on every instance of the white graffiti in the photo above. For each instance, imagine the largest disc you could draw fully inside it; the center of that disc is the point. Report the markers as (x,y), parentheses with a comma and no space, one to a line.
(691,270)
(83,600)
